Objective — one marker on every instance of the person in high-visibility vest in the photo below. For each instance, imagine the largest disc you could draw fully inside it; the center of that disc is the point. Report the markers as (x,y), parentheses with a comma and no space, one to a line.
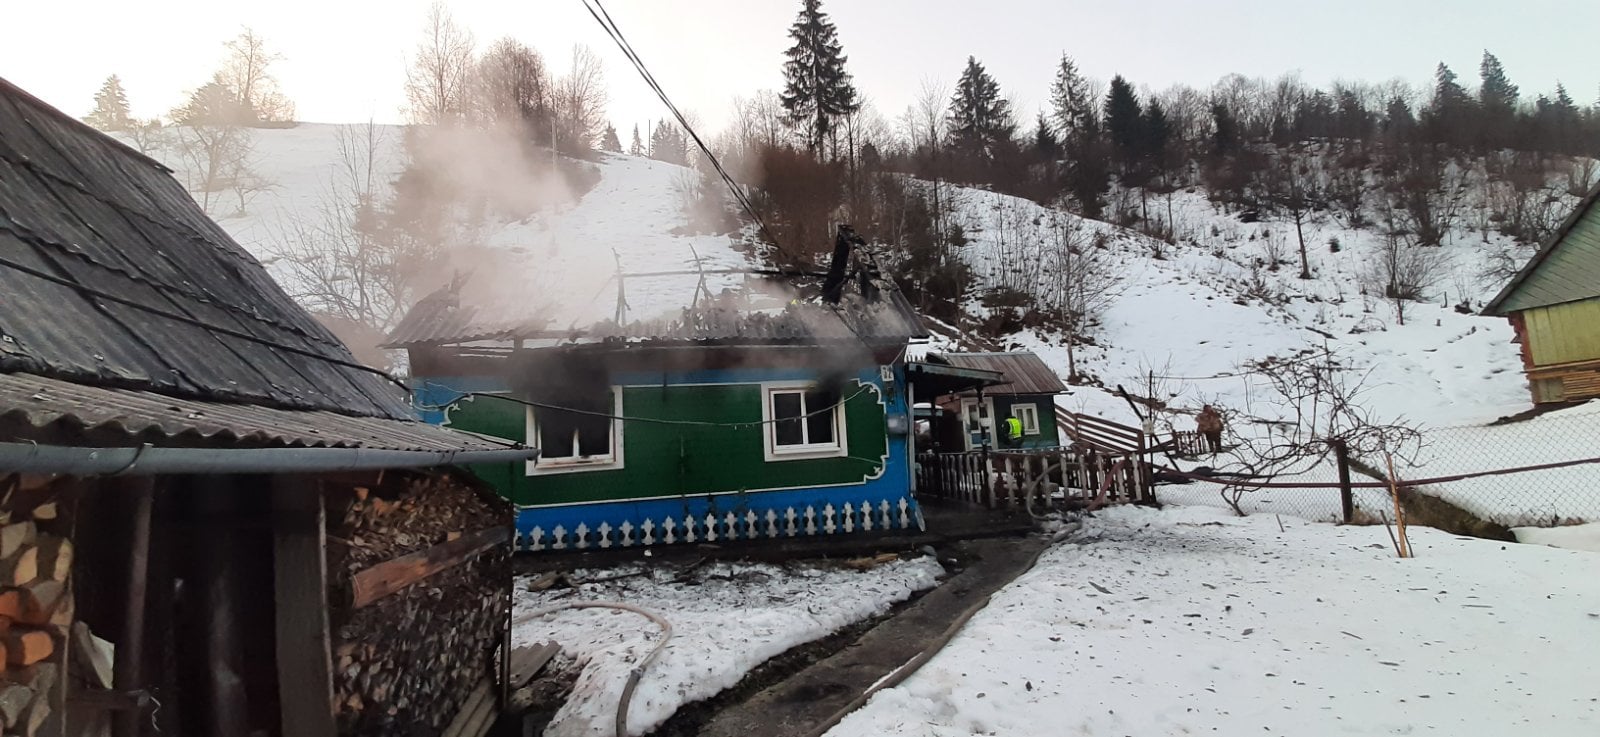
(1013,432)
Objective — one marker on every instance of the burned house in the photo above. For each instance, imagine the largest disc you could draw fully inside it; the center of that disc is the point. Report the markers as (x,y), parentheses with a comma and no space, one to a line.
(213,520)
(757,414)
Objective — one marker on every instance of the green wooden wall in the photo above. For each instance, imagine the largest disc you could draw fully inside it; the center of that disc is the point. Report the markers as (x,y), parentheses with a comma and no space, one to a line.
(1571,272)
(664,460)
(1046,404)
(1564,333)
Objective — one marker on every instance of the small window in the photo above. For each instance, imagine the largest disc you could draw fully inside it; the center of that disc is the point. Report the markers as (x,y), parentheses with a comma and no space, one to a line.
(1029,415)
(803,422)
(581,433)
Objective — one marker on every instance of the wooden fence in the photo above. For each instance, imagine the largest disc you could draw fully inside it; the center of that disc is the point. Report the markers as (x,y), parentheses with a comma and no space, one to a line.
(1102,456)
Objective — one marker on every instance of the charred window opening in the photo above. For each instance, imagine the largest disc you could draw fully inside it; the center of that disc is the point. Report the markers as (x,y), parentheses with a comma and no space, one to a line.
(805,421)
(581,430)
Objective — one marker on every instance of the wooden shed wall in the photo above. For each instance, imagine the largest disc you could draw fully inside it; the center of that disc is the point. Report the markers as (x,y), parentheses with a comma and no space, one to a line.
(1564,333)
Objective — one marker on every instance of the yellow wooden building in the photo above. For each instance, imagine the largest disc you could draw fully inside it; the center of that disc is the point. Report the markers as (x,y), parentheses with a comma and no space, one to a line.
(1554,306)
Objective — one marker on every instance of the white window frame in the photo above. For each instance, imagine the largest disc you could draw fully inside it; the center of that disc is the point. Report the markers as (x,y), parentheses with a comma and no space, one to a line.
(612,461)
(769,427)
(1030,417)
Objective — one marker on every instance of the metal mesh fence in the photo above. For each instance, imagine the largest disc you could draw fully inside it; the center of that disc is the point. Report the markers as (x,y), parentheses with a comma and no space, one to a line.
(1539,497)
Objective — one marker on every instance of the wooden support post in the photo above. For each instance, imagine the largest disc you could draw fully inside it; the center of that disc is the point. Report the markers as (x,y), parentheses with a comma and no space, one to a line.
(1347,501)
(300,576)
(130,648)
(224,703)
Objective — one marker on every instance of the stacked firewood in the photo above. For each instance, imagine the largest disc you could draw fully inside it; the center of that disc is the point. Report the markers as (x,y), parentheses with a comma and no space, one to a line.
(37,633)
(407,662)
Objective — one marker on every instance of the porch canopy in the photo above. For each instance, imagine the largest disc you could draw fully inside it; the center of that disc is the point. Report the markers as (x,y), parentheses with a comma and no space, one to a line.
(937,379)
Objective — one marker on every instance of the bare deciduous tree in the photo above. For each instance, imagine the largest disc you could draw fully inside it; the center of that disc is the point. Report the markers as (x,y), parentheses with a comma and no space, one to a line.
(245,71)
(580,102)
(215,147)
(1403,271)
(338,262)
(512,86)
(437,82)
(1084,279)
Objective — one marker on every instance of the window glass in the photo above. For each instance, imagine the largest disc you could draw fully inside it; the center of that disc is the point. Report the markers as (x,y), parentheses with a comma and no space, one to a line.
(819,426)
(568,434)
(787,409)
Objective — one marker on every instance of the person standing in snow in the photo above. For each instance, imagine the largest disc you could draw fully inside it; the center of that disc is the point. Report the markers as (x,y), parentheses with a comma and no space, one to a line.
(1209,423)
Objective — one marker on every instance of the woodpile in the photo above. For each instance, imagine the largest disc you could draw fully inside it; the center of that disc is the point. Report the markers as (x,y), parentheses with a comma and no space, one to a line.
(37,631)
(419,576)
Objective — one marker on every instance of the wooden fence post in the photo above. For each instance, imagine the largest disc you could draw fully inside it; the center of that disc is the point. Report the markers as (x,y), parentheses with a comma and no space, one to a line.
(1347,502)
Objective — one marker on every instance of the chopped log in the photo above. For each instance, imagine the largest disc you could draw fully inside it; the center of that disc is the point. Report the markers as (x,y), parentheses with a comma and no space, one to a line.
(20,568)
(95,656)
(39,677)
(41,599)
(14,536)
(26,647)
(45,511)
(14,700)
(10,605)
(390,576)
(544,582)
(862,564)
(61,619)
(55,557)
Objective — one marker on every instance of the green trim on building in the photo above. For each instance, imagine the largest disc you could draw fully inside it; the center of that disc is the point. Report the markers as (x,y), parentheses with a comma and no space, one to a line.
(673,459)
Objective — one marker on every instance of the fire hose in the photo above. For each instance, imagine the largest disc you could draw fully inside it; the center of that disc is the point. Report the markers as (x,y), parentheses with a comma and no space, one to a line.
(638,668)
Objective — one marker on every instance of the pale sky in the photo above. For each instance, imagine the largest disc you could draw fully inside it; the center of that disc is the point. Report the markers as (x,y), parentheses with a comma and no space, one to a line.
(344,60)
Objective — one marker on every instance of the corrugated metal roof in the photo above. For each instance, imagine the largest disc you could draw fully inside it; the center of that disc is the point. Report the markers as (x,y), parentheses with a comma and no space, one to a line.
(111,275)
(1025,372)
(1565,269)
(101,415)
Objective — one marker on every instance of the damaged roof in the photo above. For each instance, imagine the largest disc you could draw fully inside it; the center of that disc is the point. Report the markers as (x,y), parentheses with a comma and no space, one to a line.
(112,276)
(455,315)
(1025,372)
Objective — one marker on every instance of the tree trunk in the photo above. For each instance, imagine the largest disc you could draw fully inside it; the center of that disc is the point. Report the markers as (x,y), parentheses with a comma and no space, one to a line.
(1305,265)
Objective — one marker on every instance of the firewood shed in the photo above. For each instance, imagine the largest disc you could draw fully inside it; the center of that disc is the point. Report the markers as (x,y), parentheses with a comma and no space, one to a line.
(214,520)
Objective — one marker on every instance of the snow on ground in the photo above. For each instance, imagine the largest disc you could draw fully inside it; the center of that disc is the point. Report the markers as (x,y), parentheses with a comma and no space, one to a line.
(1211,303)
(727,620)
(1223,625)
(1571,537)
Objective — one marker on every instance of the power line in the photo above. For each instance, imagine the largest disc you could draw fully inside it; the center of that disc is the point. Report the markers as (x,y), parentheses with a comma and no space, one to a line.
(626,418)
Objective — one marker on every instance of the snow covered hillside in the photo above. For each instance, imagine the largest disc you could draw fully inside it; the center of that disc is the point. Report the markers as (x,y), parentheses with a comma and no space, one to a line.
(1195,312)
(565,252)
(1192,621)
(1191,313)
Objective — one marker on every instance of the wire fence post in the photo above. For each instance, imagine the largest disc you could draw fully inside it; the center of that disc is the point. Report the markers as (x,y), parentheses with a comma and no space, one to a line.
(1347,501)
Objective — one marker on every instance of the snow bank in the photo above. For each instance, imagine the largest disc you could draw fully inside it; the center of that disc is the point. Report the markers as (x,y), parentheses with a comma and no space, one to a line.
(1224,625)
(726,621)
(1571,537)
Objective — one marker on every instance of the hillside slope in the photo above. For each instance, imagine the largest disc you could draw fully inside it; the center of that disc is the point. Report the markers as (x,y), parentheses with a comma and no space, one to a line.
(1191,314)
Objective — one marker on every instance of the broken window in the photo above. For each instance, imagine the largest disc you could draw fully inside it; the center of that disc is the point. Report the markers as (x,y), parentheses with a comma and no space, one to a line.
(582,430)
(804,420)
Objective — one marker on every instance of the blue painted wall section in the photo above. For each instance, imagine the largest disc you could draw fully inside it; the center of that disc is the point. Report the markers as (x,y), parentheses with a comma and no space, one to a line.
(876,505)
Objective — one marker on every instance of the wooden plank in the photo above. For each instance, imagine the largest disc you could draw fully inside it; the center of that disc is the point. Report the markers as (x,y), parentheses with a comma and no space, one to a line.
(527,661)
(390,576)
(300,573)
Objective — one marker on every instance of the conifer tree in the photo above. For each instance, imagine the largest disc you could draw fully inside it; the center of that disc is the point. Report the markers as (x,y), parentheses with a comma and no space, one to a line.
(1448,114)
(817,90)
(637,147)
(1157,135)
(111,107)
(1124,120)
(1497,98)
(609,140)
(1045,142)
(980,119)
(1070,106)
(669,145)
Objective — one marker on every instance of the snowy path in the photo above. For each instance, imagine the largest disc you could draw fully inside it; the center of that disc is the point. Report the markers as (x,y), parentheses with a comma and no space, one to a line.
(726,619)
(1220,625)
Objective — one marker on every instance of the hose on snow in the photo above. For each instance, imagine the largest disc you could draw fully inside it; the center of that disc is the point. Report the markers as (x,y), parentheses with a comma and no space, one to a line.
(638,668)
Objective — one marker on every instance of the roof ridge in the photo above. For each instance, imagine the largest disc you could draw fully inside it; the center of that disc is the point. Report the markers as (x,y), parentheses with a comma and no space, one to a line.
(11,88)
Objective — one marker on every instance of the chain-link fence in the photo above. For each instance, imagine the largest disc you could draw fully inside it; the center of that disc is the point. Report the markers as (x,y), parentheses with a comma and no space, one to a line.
(1538,472)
